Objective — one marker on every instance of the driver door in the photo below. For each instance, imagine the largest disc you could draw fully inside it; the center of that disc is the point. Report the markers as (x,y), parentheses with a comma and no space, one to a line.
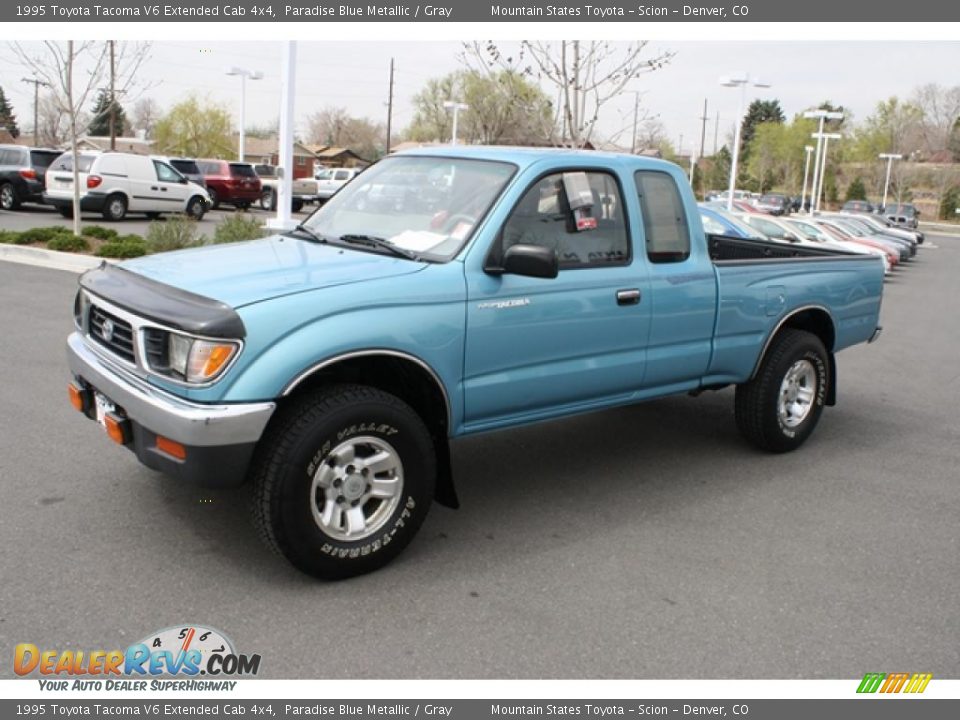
(537,347)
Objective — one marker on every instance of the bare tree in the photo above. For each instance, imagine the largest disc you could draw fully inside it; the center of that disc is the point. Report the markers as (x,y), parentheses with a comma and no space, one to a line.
(146,113)
(585,75)
(73,71)
(336,127)
(941,109)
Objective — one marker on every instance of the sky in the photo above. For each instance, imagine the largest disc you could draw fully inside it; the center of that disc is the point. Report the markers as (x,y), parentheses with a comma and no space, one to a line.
(354,75)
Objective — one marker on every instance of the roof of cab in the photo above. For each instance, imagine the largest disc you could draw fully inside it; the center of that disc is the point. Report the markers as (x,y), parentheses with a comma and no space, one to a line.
(526,156)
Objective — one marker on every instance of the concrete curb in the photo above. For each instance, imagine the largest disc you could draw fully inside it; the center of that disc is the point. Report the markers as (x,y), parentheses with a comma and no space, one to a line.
(52,259)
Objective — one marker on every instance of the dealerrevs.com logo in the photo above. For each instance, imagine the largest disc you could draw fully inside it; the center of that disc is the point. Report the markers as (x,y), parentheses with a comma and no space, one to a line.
(185,651)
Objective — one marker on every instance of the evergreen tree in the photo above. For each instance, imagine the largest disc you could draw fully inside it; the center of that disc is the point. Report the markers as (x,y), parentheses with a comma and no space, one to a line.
(100,125)
(856,190)
(760,111)
(7,119)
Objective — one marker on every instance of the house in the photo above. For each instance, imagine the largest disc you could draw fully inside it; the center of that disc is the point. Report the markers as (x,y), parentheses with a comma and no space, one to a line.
(135,145)
(266,151)
(331,156)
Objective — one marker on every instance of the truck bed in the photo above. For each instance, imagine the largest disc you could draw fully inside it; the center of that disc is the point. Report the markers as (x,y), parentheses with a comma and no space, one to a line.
(725,248)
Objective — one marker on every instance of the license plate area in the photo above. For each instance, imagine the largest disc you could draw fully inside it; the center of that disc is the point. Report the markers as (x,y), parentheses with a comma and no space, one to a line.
(102,406)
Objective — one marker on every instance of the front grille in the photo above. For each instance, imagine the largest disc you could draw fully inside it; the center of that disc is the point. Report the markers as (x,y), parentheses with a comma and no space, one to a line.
(155,345)
(112,333)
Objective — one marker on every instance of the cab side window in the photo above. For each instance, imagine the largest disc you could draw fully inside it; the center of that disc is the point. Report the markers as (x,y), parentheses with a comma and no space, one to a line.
(664,217)
(543,217)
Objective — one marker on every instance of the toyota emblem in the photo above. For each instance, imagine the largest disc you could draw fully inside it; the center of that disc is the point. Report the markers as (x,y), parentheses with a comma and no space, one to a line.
(106,330)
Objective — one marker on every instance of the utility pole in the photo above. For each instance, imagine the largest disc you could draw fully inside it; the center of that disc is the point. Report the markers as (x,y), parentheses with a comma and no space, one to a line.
(36,104)
(113,95)
(716,132)
(389,108)
(703,127)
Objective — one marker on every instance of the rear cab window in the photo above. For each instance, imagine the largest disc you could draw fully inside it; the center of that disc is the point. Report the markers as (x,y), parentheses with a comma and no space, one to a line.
(664,217)
(242,170)
(187,167)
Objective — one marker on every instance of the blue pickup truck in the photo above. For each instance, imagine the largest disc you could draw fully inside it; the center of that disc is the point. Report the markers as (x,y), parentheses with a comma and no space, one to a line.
(446,292)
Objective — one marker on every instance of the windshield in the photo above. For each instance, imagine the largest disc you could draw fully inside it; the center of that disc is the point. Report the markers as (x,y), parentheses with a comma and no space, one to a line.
(427,205)
(906,210)
(735,222)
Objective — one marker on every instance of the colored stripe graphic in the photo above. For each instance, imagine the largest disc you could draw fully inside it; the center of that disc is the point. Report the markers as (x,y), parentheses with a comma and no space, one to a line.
(894,683)
(870,682)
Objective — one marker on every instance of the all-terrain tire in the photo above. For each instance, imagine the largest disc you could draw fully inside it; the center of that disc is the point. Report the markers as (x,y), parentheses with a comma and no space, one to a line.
(309,473)
(778,410)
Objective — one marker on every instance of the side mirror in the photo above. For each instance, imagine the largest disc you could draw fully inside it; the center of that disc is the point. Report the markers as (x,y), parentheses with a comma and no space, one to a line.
(531,260)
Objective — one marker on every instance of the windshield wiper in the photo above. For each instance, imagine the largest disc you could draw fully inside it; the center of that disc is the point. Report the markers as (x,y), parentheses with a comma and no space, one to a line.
(379,242)
(307,231)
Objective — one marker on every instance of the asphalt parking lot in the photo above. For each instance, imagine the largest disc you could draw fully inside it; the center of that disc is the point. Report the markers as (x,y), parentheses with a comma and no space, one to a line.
(642,542)
(30,216)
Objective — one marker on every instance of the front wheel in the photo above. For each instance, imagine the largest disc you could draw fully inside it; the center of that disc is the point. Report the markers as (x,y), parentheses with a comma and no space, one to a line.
(780,407)
(8,197)
(266,200)
(343,480)
(196,208)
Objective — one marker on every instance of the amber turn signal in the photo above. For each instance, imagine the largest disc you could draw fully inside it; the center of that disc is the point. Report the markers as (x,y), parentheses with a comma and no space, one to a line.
(118,429)
(171,448)
(79,398)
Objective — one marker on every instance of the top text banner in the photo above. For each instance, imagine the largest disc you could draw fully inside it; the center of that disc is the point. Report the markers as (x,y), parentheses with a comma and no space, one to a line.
(481,11)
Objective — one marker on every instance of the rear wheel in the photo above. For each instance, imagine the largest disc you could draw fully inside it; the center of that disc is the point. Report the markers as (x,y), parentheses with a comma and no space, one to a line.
(115,208)
(780,407)
(9,200)
(214,198)
(343,480)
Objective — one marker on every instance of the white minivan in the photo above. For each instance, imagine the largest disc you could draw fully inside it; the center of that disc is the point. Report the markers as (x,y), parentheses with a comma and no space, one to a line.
(115,184)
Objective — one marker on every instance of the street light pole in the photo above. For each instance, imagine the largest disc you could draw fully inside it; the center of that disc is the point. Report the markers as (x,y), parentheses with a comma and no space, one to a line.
(822,115)
(808,149)
(889,157)
(826,138)
(244,73)
(456,107)
(740,81)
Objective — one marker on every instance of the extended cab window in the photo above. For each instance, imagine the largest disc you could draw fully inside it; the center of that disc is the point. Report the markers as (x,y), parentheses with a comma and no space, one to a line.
(664,218)
(543,217)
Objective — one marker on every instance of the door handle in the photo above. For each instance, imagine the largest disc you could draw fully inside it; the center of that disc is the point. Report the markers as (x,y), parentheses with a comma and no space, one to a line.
(628,297)
(163,189)
(154,187)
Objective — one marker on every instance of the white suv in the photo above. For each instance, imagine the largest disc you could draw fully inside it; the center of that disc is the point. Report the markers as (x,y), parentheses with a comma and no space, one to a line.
(115,184)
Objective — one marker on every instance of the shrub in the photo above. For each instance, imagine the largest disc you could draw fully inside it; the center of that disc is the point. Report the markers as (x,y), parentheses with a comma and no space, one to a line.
(41,234)
(9,237)
(122,248)
(856,190)
(175,233)
(99,231)
(238,227)
(68,243)
(129,238)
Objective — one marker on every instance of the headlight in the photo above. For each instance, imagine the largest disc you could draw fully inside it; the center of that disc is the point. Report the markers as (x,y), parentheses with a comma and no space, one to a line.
(186,358)
(80,305)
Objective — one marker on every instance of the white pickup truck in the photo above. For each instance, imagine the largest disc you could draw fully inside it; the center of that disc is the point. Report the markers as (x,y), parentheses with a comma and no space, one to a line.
(304,189)
(329,180)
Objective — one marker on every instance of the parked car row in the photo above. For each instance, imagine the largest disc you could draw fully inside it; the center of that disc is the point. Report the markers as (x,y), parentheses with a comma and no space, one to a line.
(845,232)
(115,184)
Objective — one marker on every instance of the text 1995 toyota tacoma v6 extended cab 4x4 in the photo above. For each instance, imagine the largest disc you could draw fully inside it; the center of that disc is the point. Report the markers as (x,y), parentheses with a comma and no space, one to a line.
(446,292)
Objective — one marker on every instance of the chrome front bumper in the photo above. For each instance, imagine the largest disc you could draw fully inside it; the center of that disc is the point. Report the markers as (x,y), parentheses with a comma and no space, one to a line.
(189,423)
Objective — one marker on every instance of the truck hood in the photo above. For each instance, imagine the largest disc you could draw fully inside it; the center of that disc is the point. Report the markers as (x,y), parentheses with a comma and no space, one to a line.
(242,273)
